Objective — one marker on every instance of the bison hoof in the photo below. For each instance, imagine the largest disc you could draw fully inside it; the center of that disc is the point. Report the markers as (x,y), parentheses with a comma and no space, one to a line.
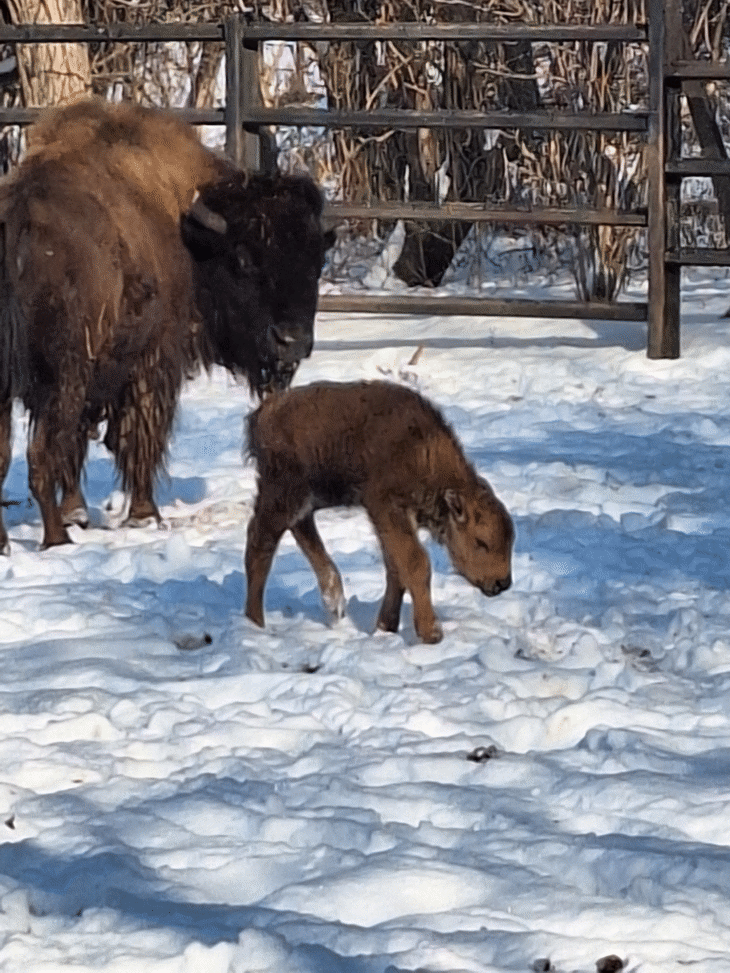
(5,546)
(55,541)
(78,517)
(142,521)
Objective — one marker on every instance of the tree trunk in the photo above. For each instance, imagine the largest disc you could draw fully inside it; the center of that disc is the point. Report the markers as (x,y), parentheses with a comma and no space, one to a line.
(206,77)
(50,73)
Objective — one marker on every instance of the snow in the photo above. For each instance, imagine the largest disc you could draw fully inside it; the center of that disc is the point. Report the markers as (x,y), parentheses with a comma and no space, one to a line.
(181,792)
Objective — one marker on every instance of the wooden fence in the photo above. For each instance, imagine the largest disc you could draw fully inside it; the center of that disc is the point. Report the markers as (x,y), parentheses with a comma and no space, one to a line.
(244,116)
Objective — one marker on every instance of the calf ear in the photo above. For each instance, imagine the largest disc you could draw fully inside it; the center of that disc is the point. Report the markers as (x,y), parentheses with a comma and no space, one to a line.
(455,503)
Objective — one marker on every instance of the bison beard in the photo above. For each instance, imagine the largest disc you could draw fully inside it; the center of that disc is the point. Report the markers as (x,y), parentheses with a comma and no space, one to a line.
(112,295)
(385,448)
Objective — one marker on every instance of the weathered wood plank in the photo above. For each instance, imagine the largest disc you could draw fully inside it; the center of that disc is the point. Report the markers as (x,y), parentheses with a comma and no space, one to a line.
(64,33)
(481,307)
(235,136)
(478,213)
(699,257)
(699,71)
(497,33)
(196,116)
(663,283)
(405,119)
(593,33)
(698,167)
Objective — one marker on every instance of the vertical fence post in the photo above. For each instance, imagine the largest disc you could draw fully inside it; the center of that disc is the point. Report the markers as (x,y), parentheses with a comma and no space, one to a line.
(250,147)
(233,33)
(664,277)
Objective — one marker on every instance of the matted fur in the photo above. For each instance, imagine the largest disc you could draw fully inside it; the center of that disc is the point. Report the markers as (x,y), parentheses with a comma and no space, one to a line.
(105,309)
(383,447)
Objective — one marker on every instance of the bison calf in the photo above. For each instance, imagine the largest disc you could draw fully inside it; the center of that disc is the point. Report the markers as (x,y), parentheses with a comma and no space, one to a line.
(385,448)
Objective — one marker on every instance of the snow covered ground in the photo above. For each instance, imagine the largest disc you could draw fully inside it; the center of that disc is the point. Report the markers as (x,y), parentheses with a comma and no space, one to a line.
(183,793)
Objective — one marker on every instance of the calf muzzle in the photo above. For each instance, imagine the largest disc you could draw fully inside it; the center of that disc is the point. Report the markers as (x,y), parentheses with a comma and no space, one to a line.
(496,587)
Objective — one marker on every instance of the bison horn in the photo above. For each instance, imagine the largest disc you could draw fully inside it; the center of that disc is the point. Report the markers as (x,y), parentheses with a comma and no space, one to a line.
(207,218)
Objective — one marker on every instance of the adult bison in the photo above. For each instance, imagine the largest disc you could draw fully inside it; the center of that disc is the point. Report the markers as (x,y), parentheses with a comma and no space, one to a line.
(132,255)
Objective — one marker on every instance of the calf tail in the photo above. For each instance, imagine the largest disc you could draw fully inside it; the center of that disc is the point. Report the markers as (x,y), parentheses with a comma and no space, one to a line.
(251,448)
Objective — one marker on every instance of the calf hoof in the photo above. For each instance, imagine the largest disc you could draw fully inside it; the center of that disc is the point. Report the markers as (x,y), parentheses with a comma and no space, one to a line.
(255,616)
(4,546)
(333,599)
(431,634)
(389,616)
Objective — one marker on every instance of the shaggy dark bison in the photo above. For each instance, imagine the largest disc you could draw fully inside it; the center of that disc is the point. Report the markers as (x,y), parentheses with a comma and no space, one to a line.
(131,256)
(385,448)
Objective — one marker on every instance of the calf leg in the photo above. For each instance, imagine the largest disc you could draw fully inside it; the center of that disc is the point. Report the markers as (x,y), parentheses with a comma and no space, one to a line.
(328,577)
(407,566)
(6,409)
(264,533)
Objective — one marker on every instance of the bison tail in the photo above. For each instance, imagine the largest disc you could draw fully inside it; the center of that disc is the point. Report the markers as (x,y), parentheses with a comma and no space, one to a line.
(13,347)
(14,355)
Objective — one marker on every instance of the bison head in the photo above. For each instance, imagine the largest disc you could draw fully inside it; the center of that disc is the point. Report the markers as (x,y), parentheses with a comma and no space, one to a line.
(258,248)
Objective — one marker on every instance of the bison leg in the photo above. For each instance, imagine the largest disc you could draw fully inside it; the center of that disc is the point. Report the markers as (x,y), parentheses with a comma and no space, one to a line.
(389,616)
(138,432)
(264,533)
(142,509)
(407,565)
(328,577)
(74,511)
(73,508)
(6,410)
(42,477)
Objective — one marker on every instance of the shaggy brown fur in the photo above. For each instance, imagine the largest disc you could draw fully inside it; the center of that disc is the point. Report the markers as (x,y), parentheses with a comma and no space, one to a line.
(383,447)
(99,316)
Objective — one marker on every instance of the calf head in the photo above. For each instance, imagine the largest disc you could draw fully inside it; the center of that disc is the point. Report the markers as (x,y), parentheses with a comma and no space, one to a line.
(258,248)
(479,536)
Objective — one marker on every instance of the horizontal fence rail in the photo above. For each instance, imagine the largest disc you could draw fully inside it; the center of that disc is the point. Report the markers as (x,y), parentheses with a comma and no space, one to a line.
(195,116)
(498,33)
(478,213)
(503,307)
(403,118)
(244,116)
(86,33)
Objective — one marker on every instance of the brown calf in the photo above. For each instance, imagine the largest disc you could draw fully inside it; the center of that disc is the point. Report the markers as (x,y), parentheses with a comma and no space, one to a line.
(385,448)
